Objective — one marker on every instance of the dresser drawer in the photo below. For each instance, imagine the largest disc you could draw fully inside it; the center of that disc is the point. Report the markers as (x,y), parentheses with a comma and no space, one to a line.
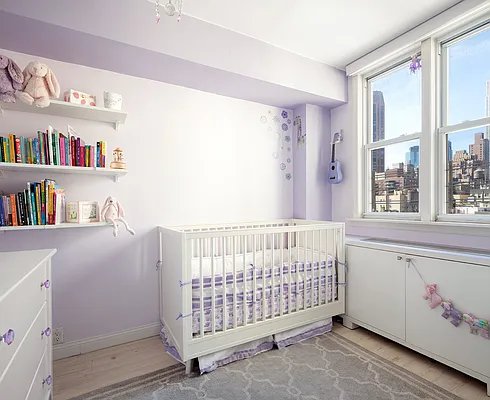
(19,308)
(42,385)
(19,375)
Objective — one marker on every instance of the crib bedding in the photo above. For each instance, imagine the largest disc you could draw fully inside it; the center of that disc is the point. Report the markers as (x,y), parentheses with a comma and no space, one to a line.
(295,285)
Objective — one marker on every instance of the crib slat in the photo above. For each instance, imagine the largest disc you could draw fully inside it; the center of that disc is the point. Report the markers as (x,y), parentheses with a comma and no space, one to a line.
(312,263)
(223,285)
(289,272)
(213,290)
(273,287)
(245,313)
(254,274)
(305,272)
(296,242)
(201,289)
(335,266)
(281,274)
(234,284)
(264,280)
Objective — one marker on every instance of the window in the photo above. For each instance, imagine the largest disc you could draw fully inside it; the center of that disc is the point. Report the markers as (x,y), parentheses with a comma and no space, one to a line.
(393,142)
(465,124)
(426,136)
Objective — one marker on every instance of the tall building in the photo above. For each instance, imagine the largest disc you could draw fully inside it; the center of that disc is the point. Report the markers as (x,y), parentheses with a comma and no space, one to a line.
(449,151)
(378,155)
(412,156)
(487,107)
(480,148)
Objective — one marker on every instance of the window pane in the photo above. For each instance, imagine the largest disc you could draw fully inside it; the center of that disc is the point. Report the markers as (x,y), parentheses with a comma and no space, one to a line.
(396,103)
(395,179)
(469,78)
(467,172)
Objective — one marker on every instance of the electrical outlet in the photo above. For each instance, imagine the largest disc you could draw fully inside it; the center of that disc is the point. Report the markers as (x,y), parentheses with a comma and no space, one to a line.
(58,335)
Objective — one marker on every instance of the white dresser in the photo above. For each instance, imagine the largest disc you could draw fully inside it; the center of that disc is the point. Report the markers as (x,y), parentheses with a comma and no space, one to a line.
(25,325)
(385,294)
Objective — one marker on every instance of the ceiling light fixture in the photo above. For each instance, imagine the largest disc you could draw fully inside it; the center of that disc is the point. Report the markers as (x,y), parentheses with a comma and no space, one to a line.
(171,7)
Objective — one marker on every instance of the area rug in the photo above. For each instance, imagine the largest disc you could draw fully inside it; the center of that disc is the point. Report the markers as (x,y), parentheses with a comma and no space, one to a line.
(325,367)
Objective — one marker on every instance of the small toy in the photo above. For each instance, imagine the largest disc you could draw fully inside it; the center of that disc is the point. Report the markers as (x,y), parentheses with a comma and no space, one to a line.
(431,295)
(112,212)
(11,79)
(450,311)
(40,85)
(118,162)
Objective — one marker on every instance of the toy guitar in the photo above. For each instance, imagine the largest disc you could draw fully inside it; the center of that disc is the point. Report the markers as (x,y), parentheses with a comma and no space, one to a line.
(335,169)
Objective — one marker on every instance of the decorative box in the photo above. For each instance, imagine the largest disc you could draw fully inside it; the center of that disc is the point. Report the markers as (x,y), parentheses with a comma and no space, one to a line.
(77,97)
(82,212)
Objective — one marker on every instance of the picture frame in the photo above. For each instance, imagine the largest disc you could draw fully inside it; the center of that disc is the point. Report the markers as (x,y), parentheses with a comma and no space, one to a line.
(82,212)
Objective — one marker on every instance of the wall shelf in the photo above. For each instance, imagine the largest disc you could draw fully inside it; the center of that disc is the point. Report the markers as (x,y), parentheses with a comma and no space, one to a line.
(116,174)
(65,109)
(64,225)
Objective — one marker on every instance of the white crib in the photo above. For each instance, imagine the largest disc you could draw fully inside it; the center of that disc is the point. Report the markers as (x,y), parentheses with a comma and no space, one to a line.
(221,286)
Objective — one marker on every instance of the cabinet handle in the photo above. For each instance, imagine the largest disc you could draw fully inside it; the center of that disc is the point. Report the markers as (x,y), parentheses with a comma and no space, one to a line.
(46,284)
(48,380)
(46,332)
(399,258)
(8,337)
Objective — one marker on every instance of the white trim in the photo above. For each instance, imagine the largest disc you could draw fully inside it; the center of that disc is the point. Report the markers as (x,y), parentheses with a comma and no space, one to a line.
(453,228)
(459,14)
(476,123)
(77,347)
(399,216)
(395,140)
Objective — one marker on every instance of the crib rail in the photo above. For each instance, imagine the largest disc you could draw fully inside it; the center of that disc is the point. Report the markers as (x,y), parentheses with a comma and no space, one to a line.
(245,280)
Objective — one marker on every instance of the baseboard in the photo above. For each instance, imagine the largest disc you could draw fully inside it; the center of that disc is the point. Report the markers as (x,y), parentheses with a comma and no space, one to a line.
(77,347)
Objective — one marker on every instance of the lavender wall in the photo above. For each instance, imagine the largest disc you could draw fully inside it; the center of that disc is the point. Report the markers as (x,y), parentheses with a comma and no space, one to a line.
(193,158)
(312,193)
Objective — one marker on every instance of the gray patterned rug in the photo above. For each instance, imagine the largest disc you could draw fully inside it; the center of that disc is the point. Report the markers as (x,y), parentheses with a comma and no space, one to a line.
(325,367)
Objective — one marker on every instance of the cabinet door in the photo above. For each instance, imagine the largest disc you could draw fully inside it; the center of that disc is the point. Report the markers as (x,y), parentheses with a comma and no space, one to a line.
(375,292)
(467,286)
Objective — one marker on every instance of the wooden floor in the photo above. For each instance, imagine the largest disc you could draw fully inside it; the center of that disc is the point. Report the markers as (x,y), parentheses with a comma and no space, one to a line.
(81,374)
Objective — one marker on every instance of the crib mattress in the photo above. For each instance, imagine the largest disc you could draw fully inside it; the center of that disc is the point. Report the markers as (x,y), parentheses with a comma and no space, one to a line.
(300,285)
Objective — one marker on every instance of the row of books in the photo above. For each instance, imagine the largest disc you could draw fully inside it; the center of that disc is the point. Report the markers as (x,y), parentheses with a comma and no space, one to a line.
(41,203)
(52,148)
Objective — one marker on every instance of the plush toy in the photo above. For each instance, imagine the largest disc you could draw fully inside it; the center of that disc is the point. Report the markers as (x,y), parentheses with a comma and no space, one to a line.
(113,212)
(450,311)
(477,325)
(431,295)
(40,85)
(11,79)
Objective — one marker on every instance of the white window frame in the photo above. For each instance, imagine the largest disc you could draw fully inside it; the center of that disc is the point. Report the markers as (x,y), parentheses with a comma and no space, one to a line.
(369,145)
(445,129)
(432,180)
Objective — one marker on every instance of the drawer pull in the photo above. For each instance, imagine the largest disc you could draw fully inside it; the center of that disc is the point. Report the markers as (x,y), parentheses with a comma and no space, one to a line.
(46,284)
(8,337)
(46,332)
(48,380)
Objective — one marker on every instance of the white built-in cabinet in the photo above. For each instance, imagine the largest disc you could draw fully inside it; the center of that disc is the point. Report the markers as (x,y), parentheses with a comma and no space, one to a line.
(385,294)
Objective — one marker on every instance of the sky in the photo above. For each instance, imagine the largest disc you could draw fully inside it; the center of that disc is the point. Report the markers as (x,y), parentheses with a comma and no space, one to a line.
(469,62)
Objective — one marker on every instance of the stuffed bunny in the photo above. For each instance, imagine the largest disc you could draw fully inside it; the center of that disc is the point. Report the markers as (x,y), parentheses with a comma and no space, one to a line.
(11,79)
(113,212)
(40,85)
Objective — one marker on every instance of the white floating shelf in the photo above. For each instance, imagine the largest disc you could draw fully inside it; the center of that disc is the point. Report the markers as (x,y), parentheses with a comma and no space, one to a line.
(59,226)
(65,109)
(63,169)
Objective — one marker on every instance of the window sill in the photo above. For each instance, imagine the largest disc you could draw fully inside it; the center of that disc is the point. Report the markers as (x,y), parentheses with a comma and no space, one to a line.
(449,227)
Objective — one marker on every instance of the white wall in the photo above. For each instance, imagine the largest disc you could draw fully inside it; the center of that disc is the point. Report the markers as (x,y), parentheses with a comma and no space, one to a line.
(193,157)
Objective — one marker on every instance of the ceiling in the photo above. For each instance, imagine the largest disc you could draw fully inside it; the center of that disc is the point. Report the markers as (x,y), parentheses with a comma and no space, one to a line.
(335,32)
